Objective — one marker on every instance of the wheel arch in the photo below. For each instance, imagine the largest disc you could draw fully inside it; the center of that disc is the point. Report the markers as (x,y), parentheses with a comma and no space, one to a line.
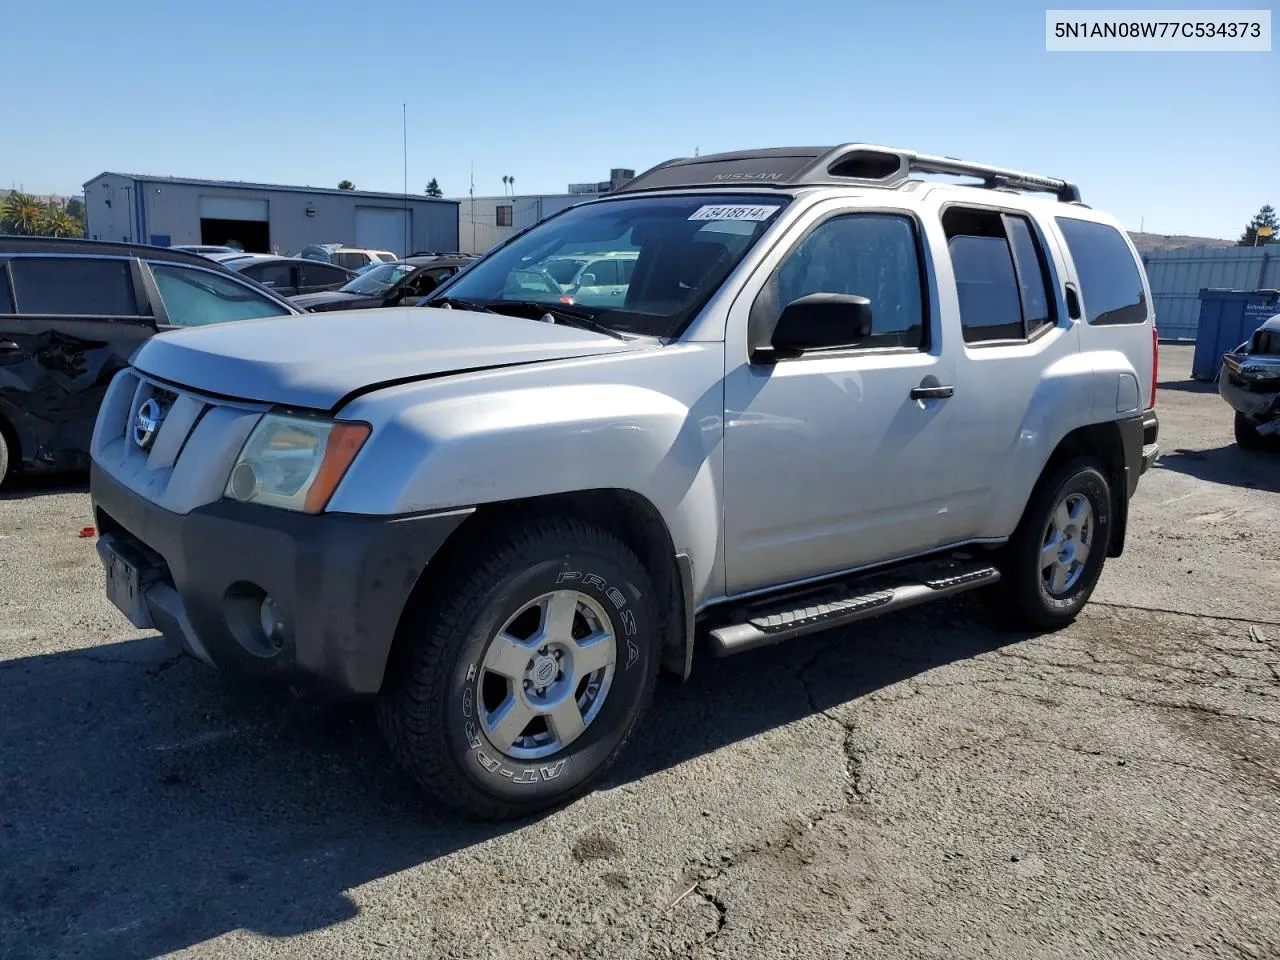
(1104,442)
(629,516)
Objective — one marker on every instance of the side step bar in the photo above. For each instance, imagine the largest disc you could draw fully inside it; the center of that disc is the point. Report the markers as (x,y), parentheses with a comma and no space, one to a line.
(834,605)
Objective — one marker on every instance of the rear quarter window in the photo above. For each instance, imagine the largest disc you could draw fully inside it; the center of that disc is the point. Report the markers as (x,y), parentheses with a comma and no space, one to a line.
(6,298)
(1110,282)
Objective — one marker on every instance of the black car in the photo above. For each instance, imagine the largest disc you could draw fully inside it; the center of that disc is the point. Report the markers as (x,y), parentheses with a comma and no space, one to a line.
(289,276)
(399,284)
(73,312)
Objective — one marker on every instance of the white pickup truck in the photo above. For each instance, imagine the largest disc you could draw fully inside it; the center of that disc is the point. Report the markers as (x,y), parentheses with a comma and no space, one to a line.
(830,388)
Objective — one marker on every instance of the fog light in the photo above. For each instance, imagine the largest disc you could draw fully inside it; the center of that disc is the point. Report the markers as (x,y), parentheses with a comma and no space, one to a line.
(244,482)
(272,623)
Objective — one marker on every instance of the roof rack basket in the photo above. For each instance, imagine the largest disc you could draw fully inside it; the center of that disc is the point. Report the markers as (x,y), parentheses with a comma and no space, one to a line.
(851,163)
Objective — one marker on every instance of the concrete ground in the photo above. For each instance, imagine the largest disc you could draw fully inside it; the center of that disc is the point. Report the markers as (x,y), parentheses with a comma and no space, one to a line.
(918,787)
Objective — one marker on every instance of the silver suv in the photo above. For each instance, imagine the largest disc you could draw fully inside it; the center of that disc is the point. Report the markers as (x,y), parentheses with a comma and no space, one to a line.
(833,388)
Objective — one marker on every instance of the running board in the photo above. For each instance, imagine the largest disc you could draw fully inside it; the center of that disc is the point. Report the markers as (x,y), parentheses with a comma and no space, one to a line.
(834,605)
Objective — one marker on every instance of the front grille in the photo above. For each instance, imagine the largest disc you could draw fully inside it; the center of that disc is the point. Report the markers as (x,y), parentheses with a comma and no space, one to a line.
(172,446)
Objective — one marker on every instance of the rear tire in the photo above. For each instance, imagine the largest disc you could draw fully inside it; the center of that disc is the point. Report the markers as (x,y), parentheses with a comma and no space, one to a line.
(1052,562)
(480,653)
(6,461)
(1247,435)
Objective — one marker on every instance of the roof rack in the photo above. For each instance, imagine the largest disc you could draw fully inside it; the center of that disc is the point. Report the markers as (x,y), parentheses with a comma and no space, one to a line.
(862,164)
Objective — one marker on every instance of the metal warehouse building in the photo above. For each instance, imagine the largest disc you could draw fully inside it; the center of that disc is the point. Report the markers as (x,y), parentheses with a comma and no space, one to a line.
(262,218)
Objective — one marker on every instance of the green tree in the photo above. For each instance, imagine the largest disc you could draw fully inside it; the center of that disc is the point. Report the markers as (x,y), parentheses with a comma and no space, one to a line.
(55,221)
(1266,217)
(21,214)
(433,189)
(346,185)
(75,209)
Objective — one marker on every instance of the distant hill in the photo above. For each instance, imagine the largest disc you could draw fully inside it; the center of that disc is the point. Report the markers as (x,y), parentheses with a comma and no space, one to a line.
(1156,242)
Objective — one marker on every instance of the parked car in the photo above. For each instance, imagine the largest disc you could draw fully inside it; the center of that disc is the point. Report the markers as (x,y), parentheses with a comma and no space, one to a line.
(353,258)
(204,249)
(1249,380)
(593,280)
(72,313)
(399,284)
(289,276)
(830,391)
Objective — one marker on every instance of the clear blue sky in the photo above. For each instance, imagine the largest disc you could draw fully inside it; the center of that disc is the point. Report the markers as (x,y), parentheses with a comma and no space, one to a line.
(311,93)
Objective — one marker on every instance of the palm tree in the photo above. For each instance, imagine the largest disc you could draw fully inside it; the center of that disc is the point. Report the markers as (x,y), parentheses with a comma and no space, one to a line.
(55,221)
(21,213)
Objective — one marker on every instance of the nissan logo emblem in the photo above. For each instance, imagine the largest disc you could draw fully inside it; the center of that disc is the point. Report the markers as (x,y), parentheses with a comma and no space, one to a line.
(147,424)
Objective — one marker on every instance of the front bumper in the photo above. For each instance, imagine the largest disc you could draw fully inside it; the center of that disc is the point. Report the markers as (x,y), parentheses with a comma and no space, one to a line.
(339,581)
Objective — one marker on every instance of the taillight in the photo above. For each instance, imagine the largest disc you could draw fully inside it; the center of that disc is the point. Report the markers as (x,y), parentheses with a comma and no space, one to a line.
(1155,365)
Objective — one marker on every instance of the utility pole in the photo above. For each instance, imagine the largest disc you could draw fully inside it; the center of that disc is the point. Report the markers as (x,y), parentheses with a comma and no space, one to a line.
(473,205)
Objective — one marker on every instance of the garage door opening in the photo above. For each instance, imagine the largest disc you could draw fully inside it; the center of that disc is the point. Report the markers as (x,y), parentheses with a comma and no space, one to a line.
(251,236)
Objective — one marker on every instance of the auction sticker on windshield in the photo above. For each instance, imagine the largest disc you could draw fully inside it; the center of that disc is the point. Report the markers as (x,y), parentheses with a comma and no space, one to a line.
(732,211)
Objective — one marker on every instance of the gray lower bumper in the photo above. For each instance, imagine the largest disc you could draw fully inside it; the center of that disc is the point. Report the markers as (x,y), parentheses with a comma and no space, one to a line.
(339,582)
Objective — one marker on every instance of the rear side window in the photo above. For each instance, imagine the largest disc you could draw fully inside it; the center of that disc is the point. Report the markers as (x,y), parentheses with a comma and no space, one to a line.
(193,298)
(6,299)
(273,275)
(319,274)
(73,286)
(1001,277)
(1110,283)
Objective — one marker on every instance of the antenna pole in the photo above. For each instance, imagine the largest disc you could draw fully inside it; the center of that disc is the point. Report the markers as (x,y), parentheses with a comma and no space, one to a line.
(404,130)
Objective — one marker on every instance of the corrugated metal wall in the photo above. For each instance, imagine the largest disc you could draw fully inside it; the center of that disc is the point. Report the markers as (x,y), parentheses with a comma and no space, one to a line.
(1177,276)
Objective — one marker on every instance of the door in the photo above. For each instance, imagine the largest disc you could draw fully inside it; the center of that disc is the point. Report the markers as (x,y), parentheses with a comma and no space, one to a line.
(382,228)
(830,462)
(1012,330)
(67,326)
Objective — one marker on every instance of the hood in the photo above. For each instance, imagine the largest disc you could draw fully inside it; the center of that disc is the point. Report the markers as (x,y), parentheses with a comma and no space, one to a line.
(316,359)
(334,300)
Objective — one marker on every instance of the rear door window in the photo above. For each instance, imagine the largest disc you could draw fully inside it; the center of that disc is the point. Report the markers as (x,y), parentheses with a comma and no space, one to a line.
(1110,284)
(1001,276)
(194,298)
(6,298)
(277,276)
(73,286)
(319,275)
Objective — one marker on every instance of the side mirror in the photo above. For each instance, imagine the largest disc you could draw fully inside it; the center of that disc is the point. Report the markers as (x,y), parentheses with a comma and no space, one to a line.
(821,320)
(587,280)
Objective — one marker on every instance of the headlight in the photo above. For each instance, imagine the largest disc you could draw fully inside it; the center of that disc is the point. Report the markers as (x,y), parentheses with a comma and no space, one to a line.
(294,462)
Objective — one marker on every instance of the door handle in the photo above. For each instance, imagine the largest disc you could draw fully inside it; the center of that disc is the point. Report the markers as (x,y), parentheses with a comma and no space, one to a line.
(8,346)
(931,393)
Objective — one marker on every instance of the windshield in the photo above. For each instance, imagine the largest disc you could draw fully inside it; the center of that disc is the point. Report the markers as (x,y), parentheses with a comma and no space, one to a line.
(658,259)
(378,280)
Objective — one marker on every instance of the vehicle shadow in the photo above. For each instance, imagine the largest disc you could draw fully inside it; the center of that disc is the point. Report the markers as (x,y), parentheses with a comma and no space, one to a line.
(22,486)
(1230,465)
(1189,386)
(147,806)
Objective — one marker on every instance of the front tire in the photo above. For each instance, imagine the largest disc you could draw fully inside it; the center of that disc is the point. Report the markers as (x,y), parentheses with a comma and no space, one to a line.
(1052,562)
(522,674)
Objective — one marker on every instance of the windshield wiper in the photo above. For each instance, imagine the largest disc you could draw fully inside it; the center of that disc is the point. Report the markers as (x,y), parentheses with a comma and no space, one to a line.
(449,303)
(570,318)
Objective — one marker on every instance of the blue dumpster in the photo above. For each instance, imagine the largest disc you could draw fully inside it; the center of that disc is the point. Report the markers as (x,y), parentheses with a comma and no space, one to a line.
(1227,319)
